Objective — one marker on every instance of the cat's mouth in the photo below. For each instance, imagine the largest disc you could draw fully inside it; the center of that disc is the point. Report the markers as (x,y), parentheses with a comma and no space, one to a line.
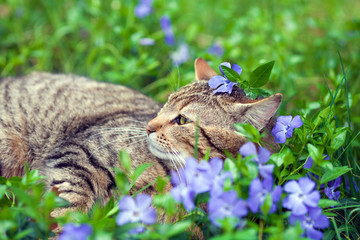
(172,155)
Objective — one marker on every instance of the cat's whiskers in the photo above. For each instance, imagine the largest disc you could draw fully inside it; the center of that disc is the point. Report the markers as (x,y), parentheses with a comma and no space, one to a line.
(172,160)
(181,160)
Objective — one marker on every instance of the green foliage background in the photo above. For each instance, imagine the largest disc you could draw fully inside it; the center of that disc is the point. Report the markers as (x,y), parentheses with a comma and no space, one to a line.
(99,39)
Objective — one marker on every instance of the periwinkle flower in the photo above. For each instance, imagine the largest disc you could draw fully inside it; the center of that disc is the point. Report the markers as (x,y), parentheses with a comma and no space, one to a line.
(196,178)
(165,24)
(260,158)
(302,195)
(284,127)
(180,55)
(259,190)
(222,83)
(144,8)
(310,222)
(72,232)
(331,187)
(216,49)
(226,205)
(136,210)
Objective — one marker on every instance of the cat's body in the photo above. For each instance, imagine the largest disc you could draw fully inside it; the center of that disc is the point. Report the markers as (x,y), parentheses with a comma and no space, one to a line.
(71,129)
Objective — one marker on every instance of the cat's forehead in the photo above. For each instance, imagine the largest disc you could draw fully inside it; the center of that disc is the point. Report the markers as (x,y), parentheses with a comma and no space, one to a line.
(200,92)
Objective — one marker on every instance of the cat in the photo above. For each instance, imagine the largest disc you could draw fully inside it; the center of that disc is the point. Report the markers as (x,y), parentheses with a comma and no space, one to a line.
(71,129)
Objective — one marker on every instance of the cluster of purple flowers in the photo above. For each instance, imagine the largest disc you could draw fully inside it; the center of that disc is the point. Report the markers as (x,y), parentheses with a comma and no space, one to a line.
(222,83)
(303,202)
(200,177)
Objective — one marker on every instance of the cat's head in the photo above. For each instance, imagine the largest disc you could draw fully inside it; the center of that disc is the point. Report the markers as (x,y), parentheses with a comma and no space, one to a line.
(172,133)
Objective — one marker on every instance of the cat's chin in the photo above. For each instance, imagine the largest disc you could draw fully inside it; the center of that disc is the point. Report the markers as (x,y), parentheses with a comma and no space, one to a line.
(174,159)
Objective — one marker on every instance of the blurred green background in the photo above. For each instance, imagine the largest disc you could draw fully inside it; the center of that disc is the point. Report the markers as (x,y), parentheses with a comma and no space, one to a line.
(100,39)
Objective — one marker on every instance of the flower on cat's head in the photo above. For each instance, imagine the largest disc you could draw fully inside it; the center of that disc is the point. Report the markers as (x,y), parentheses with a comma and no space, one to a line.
(136,210)
(222,83)
(284,127)
(143,8)
(72,232)
(165,24)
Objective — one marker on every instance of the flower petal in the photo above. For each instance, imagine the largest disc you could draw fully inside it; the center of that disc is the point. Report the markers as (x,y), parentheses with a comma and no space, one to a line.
(292,187)
(264,155)
(230,86)
(312,199)
(236,68)
(127,203)
(124,217)
(143,201)
(306,184)
(248,149)
(149,216)
(313,234)
(308,163)
(223,88)
(296,122)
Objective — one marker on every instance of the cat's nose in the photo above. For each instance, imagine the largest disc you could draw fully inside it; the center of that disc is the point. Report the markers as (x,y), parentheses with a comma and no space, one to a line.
(153,126)
(150,129)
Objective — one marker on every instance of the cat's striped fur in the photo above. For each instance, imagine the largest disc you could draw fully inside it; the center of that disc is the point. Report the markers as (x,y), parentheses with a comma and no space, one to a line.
(71,128)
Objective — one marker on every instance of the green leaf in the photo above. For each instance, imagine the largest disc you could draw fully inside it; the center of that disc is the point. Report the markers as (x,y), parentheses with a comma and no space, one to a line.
(139,170)
(325,203)
(230,74)
(248,131)
(316,153)
(260,76)
(230,166)
(284,157)
(335,173)
(339,139)
(125,160)
(265,208)
(178,228)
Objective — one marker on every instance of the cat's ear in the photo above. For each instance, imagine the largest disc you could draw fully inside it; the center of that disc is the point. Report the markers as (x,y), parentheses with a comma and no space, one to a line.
(202,70)
(260,112)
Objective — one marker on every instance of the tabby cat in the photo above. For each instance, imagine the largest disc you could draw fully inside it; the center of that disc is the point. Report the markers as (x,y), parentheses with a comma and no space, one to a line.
(71,129)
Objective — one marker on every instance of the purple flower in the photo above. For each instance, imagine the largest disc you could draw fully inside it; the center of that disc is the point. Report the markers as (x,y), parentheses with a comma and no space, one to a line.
(260,158)
(181,54)
(216,49)
(143,8)
(165,24)
(309,161)
(259,190)
(226,205)
(72,232)
(302,195)
(284,127)
(136,210)
(310,222)
(217,178)
(330,189)
(146,41)
(222,83)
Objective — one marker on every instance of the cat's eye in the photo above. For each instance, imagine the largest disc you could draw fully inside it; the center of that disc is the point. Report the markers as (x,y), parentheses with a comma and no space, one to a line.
(181,120)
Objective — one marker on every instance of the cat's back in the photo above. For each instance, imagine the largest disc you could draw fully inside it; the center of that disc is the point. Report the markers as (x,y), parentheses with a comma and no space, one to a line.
(42,110)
